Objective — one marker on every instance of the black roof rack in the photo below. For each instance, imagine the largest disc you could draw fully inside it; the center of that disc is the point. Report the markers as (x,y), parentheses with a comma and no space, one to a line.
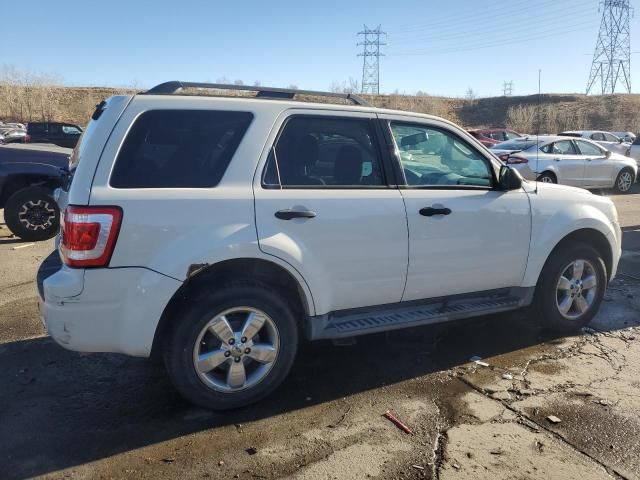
(169,88)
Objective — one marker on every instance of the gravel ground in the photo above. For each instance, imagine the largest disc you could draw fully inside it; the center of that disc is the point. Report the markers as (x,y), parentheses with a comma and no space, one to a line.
(65,414)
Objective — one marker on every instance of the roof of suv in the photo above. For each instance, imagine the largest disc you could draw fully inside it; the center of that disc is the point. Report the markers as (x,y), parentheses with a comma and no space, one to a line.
(283,98)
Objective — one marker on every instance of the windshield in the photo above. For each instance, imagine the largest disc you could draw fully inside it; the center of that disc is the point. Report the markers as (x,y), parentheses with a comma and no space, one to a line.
(517,144)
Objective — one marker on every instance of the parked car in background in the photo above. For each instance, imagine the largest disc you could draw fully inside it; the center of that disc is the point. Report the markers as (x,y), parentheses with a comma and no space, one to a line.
(628,137)
(13,136)
(634,150)
(218,232)
(61,134)
(570,161)
(492,136)
(604,139)
(28,176)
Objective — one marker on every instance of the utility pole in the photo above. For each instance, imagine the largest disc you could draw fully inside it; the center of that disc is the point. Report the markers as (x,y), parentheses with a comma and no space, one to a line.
(612,57)
(507,88)
(371,59)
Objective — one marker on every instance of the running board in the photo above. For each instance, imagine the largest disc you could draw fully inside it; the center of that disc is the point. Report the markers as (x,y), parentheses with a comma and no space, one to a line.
(351,323)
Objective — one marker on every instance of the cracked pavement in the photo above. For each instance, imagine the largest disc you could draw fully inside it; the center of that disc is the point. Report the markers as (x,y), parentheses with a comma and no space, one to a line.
(76,416)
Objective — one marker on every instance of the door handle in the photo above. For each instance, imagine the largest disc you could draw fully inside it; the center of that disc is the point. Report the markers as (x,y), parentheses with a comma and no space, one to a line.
(556,159)
(432,212)
(291,214)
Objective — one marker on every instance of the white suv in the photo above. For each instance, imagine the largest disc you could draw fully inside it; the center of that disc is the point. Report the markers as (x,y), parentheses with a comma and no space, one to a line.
(219,231)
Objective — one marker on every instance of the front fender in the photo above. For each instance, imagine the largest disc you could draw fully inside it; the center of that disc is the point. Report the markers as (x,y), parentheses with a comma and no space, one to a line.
(549,229)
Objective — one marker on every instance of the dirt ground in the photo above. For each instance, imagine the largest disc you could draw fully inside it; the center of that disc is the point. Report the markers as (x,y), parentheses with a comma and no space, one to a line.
(69,415)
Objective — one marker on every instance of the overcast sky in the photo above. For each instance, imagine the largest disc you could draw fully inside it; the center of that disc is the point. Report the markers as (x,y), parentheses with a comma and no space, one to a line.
(442,48)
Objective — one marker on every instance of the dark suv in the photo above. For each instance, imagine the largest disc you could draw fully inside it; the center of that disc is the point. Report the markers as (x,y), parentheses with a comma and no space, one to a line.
(61,134)
(28,176)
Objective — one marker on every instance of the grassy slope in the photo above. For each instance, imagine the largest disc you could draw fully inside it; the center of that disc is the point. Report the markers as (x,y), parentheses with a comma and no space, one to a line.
(557,112)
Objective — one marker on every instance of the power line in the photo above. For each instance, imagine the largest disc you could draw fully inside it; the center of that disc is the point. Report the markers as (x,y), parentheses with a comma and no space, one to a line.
(506,41)
(487,14)
(436,36)
(371,59)
(612,56)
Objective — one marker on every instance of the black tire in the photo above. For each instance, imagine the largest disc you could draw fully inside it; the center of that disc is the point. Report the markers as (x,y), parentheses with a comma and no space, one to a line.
(626,189)
(32,214)
(548,177)
(546,302)
(181,337)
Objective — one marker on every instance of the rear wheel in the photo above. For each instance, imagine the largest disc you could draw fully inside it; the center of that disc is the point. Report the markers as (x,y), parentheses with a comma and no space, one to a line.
(32,214)
(232,347)
(624,181)
(547,177)
(571,288)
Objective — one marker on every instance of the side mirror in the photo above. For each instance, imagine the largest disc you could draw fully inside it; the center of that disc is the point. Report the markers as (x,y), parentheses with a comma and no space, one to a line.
(622,140)
(510,179)
(608,154)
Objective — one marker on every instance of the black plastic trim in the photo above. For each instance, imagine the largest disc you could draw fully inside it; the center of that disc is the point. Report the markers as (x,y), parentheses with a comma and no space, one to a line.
(381,318)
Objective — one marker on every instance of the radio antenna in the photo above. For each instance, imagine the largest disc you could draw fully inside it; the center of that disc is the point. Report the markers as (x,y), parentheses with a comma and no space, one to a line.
(538,127)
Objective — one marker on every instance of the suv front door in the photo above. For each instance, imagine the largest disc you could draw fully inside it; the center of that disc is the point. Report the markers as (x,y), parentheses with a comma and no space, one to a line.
(324,206)
(465,236)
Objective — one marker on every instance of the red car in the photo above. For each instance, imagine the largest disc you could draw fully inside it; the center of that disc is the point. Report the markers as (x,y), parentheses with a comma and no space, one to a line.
(492,136)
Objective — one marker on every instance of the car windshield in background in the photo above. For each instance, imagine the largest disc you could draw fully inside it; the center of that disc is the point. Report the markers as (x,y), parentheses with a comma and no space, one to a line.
(518,144)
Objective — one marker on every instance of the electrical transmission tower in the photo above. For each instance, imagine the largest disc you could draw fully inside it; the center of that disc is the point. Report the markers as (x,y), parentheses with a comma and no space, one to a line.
(507,88)
(612,57)
(371,59)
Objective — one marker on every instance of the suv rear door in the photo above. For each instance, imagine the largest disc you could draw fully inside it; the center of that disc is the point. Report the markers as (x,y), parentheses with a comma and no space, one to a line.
(465,236)
(323,205)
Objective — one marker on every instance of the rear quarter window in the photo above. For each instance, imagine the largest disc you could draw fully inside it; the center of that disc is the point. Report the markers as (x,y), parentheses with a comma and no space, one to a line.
(179,148)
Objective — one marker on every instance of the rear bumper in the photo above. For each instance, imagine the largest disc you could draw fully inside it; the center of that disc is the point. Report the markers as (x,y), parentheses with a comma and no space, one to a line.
(116,310)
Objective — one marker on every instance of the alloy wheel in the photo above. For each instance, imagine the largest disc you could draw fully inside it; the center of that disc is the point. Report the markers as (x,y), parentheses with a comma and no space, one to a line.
(236,349)
(38,215)
(625,181)
(577,289)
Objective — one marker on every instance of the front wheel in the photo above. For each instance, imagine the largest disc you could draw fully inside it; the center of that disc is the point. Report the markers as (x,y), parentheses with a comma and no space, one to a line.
(624,181)
(571,288)
(32,214)
(232,347)
(547,177)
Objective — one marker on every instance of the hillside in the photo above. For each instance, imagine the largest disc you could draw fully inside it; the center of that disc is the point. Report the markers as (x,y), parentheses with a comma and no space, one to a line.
(557,112)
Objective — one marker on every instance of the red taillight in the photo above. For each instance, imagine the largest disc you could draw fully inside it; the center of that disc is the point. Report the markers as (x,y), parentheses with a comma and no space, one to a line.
(89,235)
(516,160)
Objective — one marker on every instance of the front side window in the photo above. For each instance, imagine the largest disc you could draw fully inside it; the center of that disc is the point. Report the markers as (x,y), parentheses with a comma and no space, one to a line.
(179,148)
(433,157)
(610,138)
(598,137)
(325,152)
(587,148)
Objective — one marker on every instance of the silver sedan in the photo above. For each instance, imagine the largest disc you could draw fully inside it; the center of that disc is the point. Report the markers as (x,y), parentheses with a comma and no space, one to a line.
(569,161)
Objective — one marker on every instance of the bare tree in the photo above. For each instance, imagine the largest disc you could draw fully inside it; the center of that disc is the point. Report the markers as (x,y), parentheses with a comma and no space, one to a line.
(522,118)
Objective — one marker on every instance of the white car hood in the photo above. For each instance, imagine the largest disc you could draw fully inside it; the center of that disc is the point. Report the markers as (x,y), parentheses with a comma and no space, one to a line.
(554,189)
(552,198)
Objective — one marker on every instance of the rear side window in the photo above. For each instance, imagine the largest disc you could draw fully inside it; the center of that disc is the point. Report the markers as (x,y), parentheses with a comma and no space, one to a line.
(179,149)
(325,152)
